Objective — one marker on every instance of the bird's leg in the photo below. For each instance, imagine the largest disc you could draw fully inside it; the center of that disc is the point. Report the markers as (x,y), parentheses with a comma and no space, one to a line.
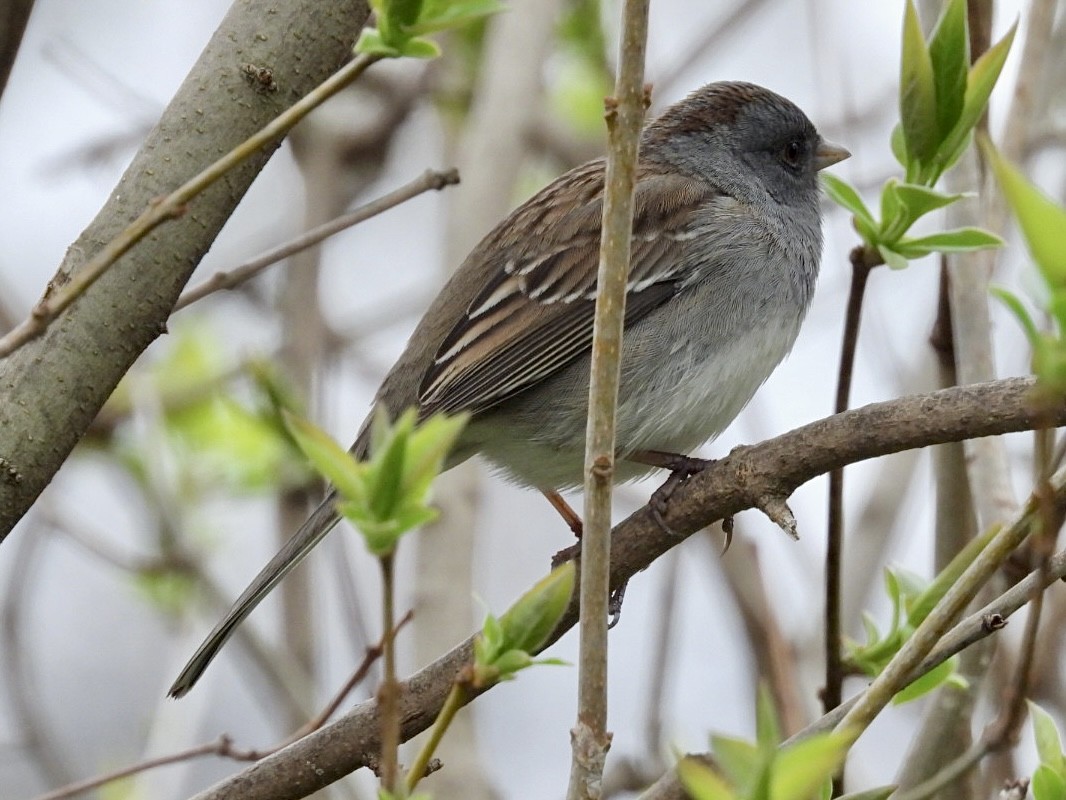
(573,521)
(614,605)
(681,469)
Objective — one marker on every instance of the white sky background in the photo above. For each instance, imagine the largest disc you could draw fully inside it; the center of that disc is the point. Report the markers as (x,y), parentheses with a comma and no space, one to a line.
(102,660)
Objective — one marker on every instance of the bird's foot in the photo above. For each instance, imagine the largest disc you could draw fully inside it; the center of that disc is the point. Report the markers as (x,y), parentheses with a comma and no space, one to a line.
(681,469)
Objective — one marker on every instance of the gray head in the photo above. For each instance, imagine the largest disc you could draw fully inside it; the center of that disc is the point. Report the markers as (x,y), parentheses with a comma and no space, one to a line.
(734,133)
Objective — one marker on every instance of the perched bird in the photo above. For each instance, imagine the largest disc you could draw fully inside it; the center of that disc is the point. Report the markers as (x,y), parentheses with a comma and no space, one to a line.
(725,252)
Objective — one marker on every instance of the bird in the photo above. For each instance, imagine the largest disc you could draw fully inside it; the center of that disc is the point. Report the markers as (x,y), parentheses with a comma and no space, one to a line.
(725,251)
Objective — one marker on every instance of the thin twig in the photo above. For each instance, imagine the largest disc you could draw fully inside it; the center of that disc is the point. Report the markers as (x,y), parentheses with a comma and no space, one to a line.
(862,261)
(370,658)
(625,115)
(173,206)
(430,179)
(389,690)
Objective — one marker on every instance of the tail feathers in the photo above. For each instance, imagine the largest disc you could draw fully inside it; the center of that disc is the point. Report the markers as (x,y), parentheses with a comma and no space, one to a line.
(299,545)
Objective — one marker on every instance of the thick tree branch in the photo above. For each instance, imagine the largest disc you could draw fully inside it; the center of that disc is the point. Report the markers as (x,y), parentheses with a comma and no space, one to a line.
(744,479)
(55,385)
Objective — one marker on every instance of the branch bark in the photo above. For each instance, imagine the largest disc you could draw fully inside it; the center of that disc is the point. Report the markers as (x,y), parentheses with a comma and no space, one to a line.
(55,384)
(740,481)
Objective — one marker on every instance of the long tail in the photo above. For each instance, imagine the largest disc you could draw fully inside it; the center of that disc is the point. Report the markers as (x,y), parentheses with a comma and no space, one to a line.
(299,545)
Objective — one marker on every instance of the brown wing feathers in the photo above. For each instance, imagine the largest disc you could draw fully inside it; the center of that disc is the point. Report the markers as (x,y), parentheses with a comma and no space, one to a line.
(535,315)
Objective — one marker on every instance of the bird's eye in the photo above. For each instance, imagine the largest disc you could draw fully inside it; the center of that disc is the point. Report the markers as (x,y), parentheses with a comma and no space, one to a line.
(792,153)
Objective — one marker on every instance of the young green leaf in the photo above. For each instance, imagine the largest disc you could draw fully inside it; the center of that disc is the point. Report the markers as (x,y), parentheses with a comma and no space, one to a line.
(1048,744)
(1048,784)
(767,728)
(893,218)
(741,761)
(387,468)
(439,15)
(1016,307)
(527,624)
(372,43)
(935,677)
(880,793)
(703,783)
(419,48)
(899,145)
(801,769)
(844,195)
(329,458)
(917,92)
(958,240)
(920,200)
(1041,219)
(894,259)
(949,50)
(983,76)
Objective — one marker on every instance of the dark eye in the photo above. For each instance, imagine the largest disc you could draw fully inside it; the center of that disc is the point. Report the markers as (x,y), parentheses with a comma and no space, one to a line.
(792,153)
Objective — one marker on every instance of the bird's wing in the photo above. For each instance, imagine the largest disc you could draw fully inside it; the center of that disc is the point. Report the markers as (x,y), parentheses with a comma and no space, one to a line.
(535,314)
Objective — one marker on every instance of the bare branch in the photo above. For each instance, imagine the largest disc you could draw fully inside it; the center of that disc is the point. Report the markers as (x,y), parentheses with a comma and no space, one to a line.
(430,179)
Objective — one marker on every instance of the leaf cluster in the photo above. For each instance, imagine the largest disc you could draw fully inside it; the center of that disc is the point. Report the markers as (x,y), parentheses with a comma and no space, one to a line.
(403,24)
(763,769)
(506,644)
(941,99)
(387,495)
(912,599)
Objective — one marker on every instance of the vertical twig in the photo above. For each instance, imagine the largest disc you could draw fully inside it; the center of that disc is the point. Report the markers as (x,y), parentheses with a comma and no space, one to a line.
(388,693)
(625,114)
(834,671)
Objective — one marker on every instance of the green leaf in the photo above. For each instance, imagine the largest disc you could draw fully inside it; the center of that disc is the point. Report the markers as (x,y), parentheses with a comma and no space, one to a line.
(1042,220)
(880,793)
(372,43)
(844,195)
(387,467)
(767,728)
(741,761)
(917,92)
(1016,307)
(427,448)
(982,78)
(801,769)
(329,458)
(439,15)
(949,50)
(1056,306)
(892,258)
(899,145)
(403,13)
(1048,784)
(701,782)
(957,240)
(927,682)
(920,200)
(892,210)
(419,48)
(527,624)
(1048,744)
